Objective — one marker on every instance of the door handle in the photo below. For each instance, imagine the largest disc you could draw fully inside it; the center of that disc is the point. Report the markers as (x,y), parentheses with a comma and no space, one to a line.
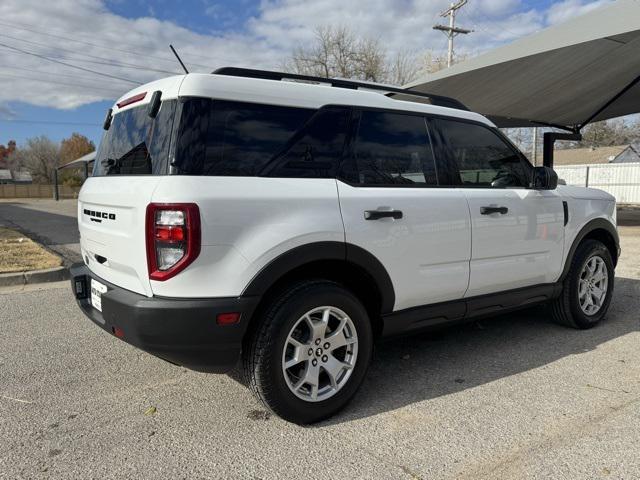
(378,214)
(490,210)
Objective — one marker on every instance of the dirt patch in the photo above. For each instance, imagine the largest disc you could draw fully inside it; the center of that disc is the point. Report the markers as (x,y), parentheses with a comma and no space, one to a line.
(20,254)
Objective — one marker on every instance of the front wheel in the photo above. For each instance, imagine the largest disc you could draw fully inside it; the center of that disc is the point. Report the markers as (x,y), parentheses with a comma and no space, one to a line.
(311,352)
(587,288)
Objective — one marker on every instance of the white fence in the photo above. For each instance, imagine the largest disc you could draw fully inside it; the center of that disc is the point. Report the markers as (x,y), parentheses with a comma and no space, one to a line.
(622,180)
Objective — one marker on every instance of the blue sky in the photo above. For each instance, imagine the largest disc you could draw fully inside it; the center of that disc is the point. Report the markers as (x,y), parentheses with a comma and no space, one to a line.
(129,40)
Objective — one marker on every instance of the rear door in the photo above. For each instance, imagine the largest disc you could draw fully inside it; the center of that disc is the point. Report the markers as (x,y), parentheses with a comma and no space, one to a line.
(392,207)
(112,203)
(517,232)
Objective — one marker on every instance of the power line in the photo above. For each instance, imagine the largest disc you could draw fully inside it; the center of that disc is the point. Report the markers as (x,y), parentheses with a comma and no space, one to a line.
(47,122)
(44,57)
(111,48)
(95,62)
(67,84)
(48,73)
(107,61)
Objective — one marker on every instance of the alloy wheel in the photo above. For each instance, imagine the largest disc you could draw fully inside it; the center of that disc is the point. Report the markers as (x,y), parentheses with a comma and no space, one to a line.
(592,285)
(320,353)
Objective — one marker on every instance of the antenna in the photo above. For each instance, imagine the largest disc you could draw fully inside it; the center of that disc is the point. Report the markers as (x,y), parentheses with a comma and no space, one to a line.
(178,57)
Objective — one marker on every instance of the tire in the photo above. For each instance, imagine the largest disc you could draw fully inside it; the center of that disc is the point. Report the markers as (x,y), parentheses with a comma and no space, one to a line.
(568,309)
(276,341)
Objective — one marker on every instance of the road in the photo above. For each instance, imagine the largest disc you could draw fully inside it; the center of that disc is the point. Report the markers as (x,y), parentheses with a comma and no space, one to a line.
(53,224)
(511,397)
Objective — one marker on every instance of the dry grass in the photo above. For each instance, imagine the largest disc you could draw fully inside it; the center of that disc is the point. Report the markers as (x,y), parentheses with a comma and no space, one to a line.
(19,253)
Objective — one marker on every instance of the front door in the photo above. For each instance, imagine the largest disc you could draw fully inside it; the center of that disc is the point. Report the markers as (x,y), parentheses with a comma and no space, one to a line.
(517,232)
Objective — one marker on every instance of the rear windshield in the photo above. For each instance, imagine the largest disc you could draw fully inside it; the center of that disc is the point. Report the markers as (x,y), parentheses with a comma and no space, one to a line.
(219,137)
(136,144)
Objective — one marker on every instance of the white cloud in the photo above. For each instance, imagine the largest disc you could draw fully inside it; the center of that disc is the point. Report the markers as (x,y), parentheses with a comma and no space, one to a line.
(568,9)
(6,113)
(265,42)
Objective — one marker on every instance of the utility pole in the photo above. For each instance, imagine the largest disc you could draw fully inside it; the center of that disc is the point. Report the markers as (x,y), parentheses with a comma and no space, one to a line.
(452,31)
(534,147)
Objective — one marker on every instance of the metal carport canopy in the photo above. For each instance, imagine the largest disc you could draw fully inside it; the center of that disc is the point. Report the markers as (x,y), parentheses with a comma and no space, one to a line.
(80,162)
(565,75)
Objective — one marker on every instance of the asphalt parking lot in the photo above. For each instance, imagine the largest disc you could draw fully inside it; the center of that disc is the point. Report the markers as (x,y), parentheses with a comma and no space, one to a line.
(511,397)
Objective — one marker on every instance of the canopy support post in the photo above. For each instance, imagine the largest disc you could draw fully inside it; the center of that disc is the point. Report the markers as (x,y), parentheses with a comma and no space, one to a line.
(549,139)
(56,193)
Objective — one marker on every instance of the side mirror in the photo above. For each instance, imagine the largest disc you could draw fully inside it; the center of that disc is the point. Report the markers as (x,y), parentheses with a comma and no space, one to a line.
(544,178)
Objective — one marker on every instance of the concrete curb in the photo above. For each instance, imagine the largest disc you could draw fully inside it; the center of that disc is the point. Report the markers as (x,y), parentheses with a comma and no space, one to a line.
(56,274)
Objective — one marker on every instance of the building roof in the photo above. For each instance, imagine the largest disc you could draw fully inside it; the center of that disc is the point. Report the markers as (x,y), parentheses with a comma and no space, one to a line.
(587,156)
(629,155)
(561,75)
(22,176)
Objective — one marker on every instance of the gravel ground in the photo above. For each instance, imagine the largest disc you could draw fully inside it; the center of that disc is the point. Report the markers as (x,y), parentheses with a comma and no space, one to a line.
(511,397)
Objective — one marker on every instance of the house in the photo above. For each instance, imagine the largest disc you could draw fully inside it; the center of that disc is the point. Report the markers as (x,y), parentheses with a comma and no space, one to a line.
(22,177)
(587,156)
(5,176)
(631,154)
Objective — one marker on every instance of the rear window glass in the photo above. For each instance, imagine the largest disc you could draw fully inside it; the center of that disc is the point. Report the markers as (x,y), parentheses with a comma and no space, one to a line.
(316,149)
(392,149)
(225,138)
(136,144)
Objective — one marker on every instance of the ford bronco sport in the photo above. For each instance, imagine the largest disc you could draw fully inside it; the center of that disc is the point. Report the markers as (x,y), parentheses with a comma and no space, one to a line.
(289,222)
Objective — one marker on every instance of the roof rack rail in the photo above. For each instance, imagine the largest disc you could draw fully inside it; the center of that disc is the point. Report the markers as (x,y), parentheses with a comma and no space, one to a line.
(391,91)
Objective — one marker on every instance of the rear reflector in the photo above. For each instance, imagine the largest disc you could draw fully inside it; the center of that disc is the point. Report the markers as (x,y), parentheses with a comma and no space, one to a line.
(118,332)
(228,318)
(130,100)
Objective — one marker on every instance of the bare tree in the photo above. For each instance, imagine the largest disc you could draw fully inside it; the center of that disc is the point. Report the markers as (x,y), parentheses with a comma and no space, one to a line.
(338,52)
(40,156)
(403,68)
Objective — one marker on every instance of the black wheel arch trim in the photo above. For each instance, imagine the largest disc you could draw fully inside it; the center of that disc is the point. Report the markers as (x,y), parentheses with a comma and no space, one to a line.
(318,251)
(592,225)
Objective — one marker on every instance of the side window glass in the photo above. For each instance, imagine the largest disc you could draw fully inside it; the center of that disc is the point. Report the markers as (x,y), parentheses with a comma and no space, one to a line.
(316,149)
(482,157)
(225,138)
(392,149)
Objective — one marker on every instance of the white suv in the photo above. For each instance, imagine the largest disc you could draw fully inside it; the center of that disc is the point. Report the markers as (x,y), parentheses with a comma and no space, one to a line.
(291,221)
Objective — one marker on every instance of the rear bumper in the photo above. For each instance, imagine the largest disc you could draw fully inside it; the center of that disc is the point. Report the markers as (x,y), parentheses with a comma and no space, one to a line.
(178,330)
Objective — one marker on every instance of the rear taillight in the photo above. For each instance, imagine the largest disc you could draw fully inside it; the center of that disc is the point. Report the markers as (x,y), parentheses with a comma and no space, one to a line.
(173,238)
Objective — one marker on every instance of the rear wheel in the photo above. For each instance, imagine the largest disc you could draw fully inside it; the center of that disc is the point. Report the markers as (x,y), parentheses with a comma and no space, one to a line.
(311,352)
(587,288)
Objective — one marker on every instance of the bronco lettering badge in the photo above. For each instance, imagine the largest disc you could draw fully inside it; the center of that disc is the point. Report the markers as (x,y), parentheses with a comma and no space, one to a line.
(96,216)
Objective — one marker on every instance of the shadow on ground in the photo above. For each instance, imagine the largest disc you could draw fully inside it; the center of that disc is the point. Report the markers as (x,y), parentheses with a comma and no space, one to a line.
(423,366)
(430,365)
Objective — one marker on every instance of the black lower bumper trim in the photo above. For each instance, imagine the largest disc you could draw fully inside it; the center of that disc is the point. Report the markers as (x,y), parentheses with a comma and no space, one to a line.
(182,331)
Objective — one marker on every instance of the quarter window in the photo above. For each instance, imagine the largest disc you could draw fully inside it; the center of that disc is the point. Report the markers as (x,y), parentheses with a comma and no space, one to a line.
(226,138)
(392,149)
(482,158)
